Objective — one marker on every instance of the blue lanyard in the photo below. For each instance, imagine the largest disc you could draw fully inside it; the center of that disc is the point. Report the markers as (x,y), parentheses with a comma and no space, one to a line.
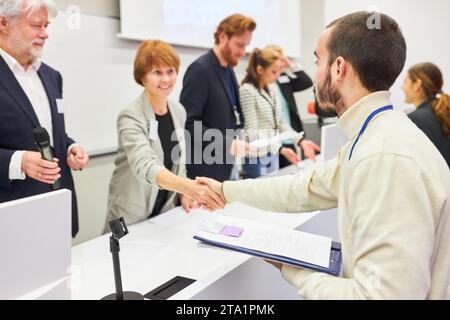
(363,128)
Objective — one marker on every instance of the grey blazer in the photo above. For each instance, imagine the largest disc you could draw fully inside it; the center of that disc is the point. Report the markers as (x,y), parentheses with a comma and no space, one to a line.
(133,188)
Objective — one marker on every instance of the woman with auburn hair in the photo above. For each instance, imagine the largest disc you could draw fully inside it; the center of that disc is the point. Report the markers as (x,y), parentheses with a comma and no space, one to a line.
(423,88)
(262,111)
(150,175)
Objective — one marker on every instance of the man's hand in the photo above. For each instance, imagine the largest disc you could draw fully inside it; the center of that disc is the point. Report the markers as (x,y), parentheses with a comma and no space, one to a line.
(309,148)
(187,203)
(39,169)
(290,155)
(239,148)
(78,158)
(275,264)
(203,195)
(214,185)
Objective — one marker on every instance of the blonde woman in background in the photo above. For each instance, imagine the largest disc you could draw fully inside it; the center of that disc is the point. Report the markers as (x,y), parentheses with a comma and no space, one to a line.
(150,175)
(262,111)
(291,80)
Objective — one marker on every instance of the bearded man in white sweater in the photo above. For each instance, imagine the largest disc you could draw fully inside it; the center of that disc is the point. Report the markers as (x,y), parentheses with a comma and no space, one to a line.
(390,184)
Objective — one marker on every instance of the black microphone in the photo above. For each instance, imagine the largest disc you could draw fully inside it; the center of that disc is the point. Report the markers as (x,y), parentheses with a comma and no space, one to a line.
(42,140)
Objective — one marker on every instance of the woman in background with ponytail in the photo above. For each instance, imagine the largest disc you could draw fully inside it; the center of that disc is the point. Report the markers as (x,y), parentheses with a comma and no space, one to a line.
(262,112)
(423,88)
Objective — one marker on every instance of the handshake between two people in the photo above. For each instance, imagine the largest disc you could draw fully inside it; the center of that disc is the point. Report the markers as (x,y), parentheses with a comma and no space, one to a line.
(203,192)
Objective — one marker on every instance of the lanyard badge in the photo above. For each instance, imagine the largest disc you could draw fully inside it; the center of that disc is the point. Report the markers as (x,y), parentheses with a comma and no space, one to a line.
(237,116)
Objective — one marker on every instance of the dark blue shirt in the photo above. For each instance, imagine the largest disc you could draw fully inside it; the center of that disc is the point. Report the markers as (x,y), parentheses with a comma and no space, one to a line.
(227,74)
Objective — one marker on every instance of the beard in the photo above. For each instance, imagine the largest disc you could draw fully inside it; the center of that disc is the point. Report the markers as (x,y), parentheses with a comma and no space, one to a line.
(226,53)
(24,49)
(328,99)
(36,53)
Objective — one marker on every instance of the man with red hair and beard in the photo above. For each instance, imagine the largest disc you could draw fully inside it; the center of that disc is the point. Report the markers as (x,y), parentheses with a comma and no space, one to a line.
(211,97)
(390,184)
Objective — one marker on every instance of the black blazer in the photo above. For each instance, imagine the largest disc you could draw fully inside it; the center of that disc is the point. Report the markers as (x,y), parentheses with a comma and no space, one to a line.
(206,99)
(17,121)
(302,82)
(425,119)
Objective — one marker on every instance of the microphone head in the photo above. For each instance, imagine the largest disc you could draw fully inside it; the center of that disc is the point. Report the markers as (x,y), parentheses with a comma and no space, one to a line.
(41,136)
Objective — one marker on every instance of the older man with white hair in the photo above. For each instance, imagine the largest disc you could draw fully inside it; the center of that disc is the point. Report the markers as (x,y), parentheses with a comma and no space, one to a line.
(31,97)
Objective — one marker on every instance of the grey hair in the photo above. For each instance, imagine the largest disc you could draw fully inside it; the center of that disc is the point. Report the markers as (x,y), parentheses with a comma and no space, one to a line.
(13,8)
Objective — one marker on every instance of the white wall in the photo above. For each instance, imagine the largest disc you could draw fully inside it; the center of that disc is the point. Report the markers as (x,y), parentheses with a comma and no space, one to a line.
(105,8)
(97,69)
(312,19)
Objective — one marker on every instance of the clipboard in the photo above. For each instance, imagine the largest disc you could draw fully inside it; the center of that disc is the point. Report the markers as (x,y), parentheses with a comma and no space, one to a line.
(334,267)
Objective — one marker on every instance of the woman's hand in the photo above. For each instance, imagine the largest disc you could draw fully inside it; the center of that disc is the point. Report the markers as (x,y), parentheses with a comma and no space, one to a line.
(187,203)
(290,155)
(195,190)
(309,148)
(203,195)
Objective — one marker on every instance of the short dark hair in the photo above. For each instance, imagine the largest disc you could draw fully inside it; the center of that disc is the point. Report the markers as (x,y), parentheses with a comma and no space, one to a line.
(377,54)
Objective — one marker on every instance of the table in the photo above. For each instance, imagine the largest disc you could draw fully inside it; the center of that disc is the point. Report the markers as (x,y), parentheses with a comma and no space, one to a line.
(161,248)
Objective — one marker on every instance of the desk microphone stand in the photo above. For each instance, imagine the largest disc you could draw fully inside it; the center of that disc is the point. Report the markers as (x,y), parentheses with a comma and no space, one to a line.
(119,229)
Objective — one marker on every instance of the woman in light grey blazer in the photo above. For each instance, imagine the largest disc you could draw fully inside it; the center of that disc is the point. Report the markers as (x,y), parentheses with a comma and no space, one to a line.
(150,164)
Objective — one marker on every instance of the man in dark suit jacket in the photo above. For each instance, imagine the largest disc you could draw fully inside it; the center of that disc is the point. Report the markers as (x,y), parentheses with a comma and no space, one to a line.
(30,92)
(293,79)
(211,97)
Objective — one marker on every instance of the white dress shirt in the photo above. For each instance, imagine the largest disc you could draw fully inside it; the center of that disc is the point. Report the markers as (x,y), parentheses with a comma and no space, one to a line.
(34,89)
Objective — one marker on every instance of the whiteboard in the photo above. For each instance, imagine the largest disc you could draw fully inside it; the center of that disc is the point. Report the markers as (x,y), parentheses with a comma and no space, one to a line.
(97,71)
(425,25)
(193,22)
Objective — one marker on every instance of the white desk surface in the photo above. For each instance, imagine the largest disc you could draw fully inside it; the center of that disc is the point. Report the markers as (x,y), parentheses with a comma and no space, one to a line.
(161,248)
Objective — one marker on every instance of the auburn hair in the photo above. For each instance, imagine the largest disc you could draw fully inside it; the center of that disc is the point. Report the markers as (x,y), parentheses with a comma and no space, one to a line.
(432,83)
(234,25)
(154,54)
